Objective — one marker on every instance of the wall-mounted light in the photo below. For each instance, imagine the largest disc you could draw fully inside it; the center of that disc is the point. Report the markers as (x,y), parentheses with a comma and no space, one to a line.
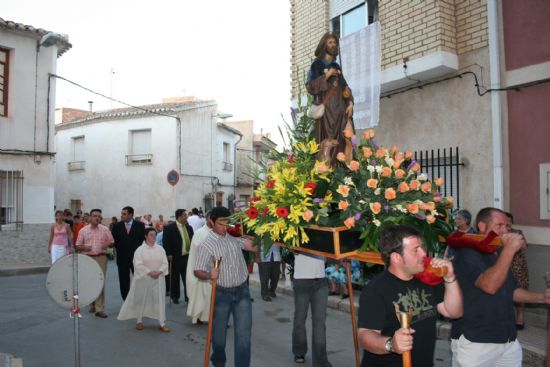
(49,39)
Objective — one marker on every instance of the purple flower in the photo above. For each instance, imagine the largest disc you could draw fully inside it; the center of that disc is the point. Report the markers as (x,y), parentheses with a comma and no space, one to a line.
(410,166)
(318,200)
(357,216)
(354,141)
(421,216)
(386,207)
(374,145)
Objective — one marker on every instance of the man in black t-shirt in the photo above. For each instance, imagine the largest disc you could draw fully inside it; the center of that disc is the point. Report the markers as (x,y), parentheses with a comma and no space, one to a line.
(380,333)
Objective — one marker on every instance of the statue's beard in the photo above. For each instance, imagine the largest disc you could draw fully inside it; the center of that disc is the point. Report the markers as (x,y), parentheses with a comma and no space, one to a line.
(332,51)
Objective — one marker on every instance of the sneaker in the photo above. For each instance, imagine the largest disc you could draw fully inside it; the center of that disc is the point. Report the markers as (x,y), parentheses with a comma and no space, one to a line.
(299,359)
(266,298)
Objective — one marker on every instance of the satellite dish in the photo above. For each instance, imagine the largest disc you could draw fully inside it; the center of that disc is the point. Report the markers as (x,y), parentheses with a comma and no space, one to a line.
(60,280)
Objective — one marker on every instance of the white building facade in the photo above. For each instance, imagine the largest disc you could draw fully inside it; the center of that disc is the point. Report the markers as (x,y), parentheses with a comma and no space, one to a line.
(154,158)
(28,56)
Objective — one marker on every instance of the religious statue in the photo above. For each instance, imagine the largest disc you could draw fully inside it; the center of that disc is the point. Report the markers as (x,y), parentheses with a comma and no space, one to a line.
(326,83)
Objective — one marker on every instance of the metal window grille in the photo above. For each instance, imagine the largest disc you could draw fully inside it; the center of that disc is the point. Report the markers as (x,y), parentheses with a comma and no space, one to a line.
(444,163)
(11,200)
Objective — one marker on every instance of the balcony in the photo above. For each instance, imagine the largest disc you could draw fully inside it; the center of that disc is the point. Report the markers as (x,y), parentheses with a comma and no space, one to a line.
(226,166)
(139,159)
(76,166)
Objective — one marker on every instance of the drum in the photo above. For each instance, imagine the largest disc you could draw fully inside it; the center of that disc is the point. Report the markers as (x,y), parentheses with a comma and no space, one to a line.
(60,280)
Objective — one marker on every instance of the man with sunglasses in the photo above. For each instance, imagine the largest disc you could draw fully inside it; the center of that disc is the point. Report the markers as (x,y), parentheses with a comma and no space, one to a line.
(380,333)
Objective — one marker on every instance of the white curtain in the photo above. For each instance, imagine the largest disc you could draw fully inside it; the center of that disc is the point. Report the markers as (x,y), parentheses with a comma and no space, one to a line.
(360,61)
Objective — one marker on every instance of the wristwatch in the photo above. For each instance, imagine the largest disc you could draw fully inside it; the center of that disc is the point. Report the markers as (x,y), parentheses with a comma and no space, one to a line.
(388,346)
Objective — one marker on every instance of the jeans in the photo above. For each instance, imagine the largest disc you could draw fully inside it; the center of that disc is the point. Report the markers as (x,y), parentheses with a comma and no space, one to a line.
(314,292)
(234,300)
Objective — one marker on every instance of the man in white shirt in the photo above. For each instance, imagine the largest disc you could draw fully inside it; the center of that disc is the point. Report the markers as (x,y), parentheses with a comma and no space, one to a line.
(310,287)
(195,220)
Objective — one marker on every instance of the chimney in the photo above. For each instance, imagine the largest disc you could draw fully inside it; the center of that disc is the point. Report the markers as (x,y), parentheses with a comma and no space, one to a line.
(90,103)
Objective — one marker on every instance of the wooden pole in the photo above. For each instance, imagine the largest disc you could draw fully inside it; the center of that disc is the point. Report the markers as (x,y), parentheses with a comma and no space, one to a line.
(352,311)
(211,317)
(405,319)
(170,282)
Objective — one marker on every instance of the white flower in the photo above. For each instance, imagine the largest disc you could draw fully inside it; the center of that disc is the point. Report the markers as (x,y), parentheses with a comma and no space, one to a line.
(362,202)
(378,169)
(422,177)
(370,168)
(390,161)
(376,222)
(348,181)
(377,191)
(400,208)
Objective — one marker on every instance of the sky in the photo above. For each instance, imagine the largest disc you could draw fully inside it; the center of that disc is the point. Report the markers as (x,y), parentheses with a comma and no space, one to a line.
(235,52)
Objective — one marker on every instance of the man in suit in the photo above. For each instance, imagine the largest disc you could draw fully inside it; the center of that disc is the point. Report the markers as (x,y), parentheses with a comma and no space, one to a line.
(128,234)
(177,243)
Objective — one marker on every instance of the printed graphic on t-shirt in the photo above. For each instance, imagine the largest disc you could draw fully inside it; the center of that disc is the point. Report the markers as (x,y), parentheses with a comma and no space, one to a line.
(417,300)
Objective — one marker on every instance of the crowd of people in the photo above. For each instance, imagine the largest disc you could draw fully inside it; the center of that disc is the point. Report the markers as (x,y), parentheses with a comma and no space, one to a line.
(483,294)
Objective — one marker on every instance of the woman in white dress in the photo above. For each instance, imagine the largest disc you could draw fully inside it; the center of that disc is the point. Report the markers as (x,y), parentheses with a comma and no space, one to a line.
(146,296)
(60,232)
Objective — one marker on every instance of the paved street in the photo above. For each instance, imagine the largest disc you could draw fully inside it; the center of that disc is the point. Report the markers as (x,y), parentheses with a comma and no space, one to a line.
(34,328)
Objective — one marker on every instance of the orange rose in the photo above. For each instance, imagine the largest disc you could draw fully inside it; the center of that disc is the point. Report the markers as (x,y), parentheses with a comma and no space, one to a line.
(368,134)
(408,154)
(414,185)
(375,207)
(430,205)
(348,133)
(403,187)
(390,194)
(386,172)
(341,157)
(372,183)
(426,187)
(308,214)
(354,165)
(380,153)
(343,190)
(397,163)
(349,222)
(415,167)
(399,156)
(430,219)
(393,149)
(343,205)
(437,198)
(321,167)
(439,181)
(412,208)
(399,173)
(367,152)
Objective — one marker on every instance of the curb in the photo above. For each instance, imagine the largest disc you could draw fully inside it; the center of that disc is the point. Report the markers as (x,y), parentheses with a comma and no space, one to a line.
(23,270)
(8,360)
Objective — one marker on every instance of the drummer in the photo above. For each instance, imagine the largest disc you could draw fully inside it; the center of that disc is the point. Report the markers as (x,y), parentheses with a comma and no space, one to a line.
(93,240)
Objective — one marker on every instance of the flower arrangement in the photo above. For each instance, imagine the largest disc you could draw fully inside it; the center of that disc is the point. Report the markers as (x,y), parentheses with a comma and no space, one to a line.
(378,187)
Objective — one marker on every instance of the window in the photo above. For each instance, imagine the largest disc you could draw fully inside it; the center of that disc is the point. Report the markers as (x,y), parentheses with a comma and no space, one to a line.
(4,78)
(353,20)
(78,161)
(226,164)
(140,148)
(11,199)
(544,169)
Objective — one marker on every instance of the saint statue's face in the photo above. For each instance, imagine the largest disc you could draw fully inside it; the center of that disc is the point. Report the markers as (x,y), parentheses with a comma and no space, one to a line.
(331,47)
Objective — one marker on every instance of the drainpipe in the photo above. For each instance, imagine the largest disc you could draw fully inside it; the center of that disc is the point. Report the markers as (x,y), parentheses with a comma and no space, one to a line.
(235,165)
(496,102)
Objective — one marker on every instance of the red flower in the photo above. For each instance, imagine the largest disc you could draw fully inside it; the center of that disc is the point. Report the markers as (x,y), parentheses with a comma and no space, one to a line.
(264,212)
(291,158)
(254,199)
(282,211)
(270,184)
(311,186)
(252,212)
